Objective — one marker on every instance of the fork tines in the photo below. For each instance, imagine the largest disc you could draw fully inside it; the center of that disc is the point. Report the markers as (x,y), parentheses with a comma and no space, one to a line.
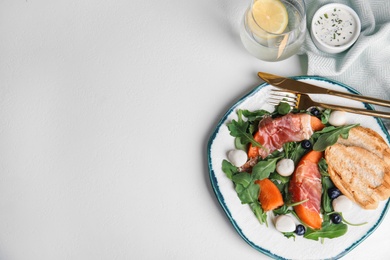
(276,96)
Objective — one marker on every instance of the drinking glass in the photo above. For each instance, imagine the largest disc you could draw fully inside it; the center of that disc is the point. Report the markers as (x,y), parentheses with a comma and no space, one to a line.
(274,46)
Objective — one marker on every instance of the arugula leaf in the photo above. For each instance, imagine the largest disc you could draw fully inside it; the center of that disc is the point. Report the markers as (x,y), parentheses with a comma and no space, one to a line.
(325,116)
(239,188)
(263,169)
(246,189)
(327,231)
(294,151)
(239,145)
(325,200)
(282,183)
(254,115)
(326,218)
(323,166)
(239,130)
(288,149)
(249,194)
(253,128)
(242,178)
(229,169)
(344,135)
(289,235)
(325,130)
(282,179)
(259,212)
(283,108)
(330,135)
(283,210)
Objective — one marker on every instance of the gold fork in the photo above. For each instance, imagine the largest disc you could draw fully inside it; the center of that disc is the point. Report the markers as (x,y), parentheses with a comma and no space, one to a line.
(302,102)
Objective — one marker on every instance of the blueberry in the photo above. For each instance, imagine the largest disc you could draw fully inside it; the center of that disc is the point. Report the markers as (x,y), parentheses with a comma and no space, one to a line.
(315,111)
(333,193)
(300,230)
(336,218)
(306,144)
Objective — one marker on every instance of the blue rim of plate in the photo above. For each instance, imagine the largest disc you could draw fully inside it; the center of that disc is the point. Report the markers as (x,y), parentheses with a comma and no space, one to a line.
(218,194)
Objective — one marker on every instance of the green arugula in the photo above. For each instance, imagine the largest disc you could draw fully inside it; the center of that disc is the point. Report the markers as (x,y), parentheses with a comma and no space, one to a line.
(326,202)
(259,213)
(245,186)
(254,116)
(323,167)
(248,194)
(263,169)
(239,130)
(294,151)
(283,210)
(229,169)
(328,230)
(242,179)
(329,136)
(244,182)
(325,116)
(283,108)
(289,235)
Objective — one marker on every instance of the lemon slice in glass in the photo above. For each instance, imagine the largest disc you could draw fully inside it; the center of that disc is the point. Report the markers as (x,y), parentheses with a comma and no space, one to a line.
(270,15)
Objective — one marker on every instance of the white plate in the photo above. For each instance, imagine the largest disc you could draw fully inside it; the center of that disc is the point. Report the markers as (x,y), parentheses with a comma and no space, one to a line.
(267,239)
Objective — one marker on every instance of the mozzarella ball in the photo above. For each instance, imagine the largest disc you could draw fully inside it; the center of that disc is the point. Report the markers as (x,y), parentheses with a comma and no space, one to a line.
(337,118)
(237,157)
(342,204)
(284,223)
(285,167)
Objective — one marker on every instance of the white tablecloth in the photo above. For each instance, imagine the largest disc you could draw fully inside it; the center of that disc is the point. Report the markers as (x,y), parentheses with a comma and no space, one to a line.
(106,108)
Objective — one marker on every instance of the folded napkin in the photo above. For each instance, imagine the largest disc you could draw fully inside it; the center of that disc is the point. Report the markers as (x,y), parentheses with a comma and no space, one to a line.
(366,65)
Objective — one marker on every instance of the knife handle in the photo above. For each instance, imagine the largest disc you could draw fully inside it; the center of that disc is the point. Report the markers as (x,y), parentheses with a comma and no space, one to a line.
(366,112)
(360,98)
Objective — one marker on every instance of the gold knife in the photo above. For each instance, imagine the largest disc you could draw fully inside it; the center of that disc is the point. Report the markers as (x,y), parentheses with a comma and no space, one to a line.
(306,88)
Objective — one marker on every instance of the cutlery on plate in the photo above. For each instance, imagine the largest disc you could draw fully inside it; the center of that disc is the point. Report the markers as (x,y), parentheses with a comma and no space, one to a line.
(302,102)
(306,88)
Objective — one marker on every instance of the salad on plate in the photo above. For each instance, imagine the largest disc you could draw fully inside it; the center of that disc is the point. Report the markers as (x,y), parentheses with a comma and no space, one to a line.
(271,172)
(262,168)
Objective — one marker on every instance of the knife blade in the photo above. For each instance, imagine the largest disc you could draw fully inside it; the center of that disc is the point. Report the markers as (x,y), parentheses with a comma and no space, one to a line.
(306,88)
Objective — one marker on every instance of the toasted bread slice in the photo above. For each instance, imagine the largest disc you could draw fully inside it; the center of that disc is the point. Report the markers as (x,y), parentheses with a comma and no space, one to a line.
(369,140)
(359,166)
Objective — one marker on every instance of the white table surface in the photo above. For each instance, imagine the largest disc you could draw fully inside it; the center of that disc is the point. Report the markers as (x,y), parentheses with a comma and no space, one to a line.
(106,108)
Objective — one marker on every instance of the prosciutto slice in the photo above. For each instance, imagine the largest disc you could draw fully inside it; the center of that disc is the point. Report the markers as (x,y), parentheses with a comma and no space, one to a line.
(306,184)
(274,132)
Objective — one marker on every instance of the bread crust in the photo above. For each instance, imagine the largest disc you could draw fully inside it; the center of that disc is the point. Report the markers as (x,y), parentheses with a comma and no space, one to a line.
(360,167)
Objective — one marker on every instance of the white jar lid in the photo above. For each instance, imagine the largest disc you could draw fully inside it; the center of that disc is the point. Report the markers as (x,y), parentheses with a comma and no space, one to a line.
(335,27)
